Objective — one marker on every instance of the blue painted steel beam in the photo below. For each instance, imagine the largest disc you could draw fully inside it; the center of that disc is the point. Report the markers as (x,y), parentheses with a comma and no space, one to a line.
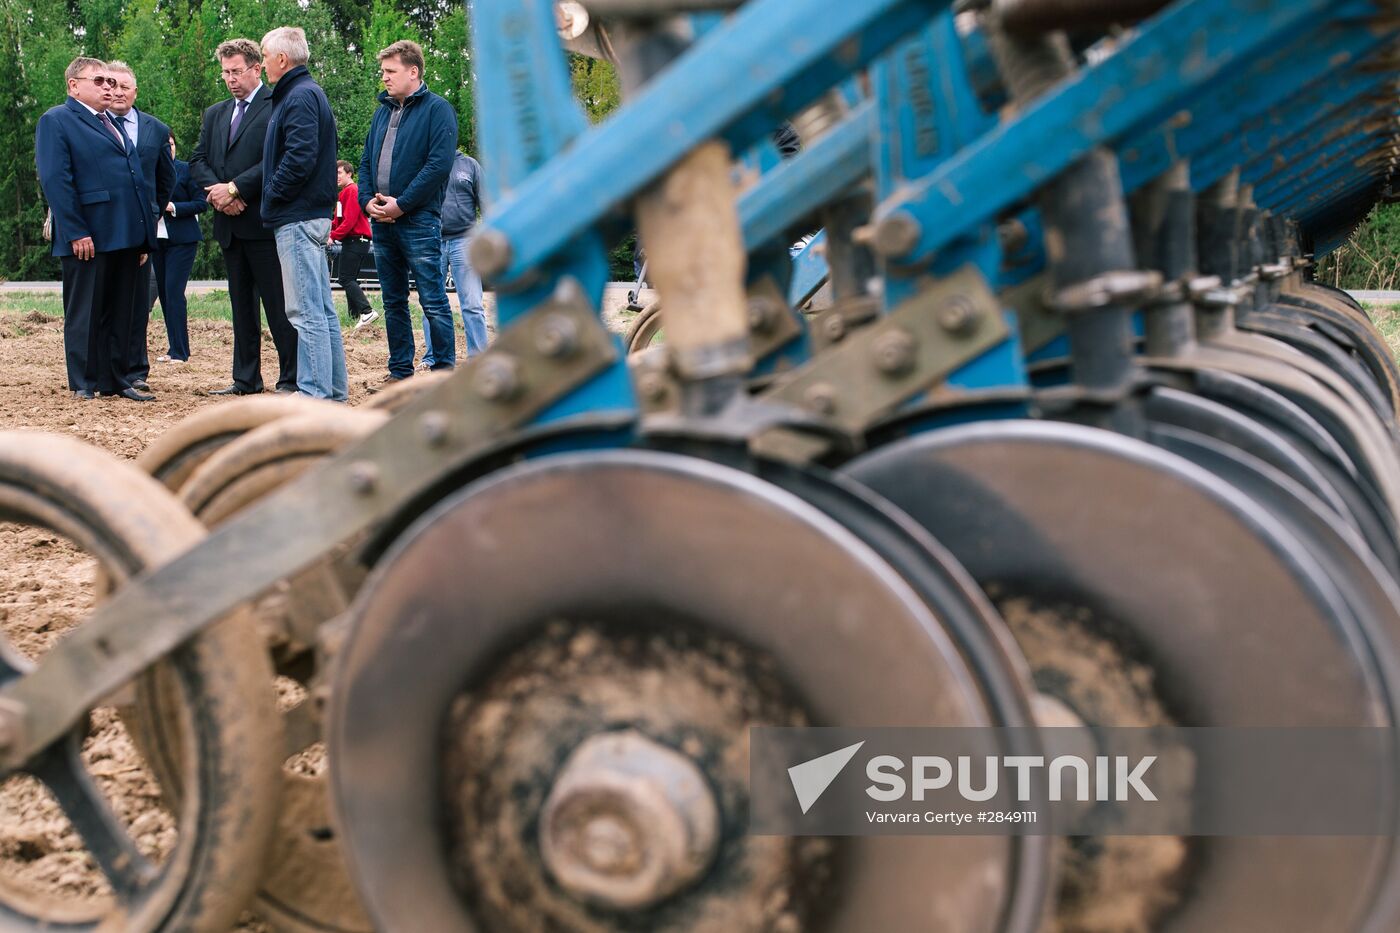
(1205,127)
(1174,55)
(815,176)
(1300,118)
(1339,156)
(526,115)
(771,57)
(1316,198)
(1345,121)
(1214,154)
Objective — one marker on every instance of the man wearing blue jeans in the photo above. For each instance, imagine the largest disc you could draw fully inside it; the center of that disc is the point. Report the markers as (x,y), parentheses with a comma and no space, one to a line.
(403,173)
(459,210)
(299,196)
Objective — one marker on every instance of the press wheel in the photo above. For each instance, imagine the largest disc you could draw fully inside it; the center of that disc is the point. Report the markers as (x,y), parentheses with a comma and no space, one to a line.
(485,642)
(213,692)
(305,888)
(1186,576)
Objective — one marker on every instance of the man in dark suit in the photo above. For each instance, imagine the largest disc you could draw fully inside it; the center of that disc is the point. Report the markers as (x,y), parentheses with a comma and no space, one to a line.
(149,136)
(103,226)
(227,165)
(178,235)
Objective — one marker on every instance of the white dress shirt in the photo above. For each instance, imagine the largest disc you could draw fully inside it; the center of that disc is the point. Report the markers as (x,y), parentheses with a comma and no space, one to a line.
(250,98)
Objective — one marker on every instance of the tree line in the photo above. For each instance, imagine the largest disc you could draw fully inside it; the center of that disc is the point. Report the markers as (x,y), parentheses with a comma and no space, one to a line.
(170,45)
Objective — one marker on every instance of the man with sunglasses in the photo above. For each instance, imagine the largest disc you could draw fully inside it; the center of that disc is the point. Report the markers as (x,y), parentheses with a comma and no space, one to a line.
(103,228)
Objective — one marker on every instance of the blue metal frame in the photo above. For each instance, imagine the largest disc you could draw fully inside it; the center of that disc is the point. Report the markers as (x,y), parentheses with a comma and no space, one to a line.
(1270,89)
(1171,58)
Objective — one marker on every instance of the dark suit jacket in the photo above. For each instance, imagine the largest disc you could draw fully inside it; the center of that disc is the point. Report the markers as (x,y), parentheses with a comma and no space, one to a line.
(219,160)
(153,149)
(189,201)
(93,184)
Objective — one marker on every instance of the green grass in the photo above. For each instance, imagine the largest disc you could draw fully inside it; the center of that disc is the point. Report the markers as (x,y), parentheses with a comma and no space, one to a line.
(211,306)
(1387,318)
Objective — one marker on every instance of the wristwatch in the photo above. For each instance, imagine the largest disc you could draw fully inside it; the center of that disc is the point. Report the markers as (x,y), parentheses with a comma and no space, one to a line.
(232,190)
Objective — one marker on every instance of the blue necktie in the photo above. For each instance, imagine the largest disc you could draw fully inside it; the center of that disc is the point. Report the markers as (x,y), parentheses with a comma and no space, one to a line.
(121,137)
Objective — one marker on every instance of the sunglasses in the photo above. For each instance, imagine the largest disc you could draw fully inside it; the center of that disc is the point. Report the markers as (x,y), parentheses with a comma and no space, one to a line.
(100,80)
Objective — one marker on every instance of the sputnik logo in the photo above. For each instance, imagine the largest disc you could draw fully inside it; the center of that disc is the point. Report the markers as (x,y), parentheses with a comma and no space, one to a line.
(811,778)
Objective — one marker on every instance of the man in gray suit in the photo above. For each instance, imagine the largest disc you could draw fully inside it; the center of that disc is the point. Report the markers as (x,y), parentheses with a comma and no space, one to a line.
(227,165)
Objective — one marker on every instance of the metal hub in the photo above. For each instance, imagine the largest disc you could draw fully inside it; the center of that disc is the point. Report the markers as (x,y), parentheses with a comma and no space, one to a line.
(628,822)
(596,772)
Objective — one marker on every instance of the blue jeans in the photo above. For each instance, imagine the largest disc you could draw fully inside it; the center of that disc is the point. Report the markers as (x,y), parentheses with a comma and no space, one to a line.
(413,243)
(306,288)
(468,285)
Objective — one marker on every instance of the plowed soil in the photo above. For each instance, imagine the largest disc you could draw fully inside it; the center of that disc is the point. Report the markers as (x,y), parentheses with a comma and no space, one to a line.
(47,585)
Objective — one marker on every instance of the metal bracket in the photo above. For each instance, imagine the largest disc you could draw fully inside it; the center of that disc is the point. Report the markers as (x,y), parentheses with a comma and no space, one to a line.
(831,326)
(1125,289)
(538,360)
(1037,324)
(771,322)
(920,342)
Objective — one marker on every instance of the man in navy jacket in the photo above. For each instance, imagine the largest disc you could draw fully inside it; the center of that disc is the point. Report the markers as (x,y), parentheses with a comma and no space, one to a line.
(103,225)
(227,164)
(149,136)
(298,198)
(403,175)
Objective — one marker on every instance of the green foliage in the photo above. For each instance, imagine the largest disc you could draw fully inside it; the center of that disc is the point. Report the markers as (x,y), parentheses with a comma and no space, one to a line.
(1370,259)
(595,85)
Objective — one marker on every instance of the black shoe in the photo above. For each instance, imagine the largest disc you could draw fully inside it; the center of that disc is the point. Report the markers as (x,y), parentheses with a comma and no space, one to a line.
(132,394)
(140,385)
(281,391)
(84,394)
(234,390)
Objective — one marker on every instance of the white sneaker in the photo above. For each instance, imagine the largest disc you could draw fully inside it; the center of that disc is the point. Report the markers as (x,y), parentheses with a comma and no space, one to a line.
(369,317)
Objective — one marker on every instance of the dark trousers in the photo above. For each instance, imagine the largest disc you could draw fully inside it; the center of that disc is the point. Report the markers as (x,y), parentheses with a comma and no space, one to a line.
(173,264)
(137,362)
(253,273)
(152,284)
(99,300)
(353,251)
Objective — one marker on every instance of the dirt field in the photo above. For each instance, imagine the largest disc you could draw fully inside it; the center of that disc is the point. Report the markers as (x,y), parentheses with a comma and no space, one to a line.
(47,585)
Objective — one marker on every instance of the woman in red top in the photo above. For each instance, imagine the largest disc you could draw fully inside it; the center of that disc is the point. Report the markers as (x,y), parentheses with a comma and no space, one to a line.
(351,231)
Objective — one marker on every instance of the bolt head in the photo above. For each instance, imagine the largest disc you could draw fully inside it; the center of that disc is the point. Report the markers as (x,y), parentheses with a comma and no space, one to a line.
(490,253)
(364,477)
(894,352)
(897,235)
(556,337)
(957,316)
(833,327)
(433,426)
(821,398)
(498,378)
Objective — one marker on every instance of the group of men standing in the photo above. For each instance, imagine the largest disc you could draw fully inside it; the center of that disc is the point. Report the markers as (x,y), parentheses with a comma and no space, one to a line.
(266,163)
(106,207)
